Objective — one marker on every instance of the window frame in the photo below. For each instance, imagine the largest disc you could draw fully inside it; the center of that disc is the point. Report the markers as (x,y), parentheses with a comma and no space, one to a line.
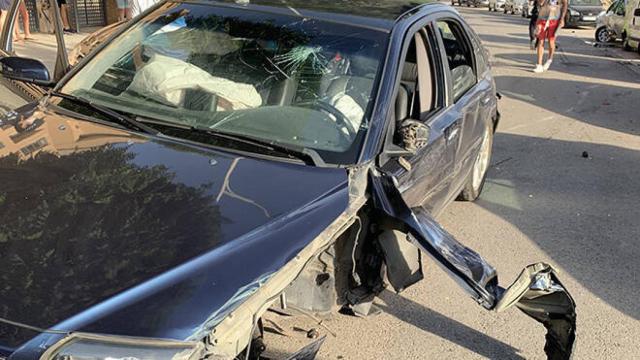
(441,89)
(458,30)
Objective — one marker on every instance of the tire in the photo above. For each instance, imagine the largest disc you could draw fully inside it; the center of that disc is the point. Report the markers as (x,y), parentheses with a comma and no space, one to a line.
(625,45)
(475,183)
(602,35)
(505,9)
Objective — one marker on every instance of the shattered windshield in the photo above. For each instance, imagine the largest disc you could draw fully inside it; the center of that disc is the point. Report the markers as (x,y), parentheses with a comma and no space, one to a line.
(282,78)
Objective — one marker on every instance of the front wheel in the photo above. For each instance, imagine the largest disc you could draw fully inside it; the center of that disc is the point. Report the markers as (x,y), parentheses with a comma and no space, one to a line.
(603,35)
(476,180)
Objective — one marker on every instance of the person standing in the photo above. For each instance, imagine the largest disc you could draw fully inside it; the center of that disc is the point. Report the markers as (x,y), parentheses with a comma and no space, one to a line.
(533,42)
(64,14)
(551,16)
(124,10)
(4,10)
(24,13)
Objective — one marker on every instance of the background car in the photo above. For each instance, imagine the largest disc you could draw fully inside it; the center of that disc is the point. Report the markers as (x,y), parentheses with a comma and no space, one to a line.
(496,5)
(583,13)
(527,7)
(610,23)
(469,3)
(512,6)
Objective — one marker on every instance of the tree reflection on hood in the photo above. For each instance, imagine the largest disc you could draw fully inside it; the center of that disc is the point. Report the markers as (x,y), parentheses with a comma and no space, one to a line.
(80,228)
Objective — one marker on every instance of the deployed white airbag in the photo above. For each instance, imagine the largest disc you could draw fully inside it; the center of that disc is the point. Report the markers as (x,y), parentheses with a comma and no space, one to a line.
(166,79)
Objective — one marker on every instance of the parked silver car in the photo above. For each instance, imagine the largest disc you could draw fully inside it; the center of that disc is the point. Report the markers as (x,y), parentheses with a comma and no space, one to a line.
(527,7)
(610,23)
(512,6)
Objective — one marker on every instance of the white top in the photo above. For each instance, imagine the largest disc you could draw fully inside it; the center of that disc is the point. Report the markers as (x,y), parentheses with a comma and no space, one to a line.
(139,6)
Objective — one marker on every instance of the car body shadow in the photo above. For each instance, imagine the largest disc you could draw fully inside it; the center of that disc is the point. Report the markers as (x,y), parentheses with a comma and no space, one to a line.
(605,106)
(435,323)
(581,211)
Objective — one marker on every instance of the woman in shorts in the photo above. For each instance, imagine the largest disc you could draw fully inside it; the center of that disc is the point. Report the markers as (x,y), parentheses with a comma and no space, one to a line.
(550,18)
(124,10)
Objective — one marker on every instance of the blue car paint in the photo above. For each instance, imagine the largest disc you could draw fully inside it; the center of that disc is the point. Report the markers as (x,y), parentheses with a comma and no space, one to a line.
(281,207)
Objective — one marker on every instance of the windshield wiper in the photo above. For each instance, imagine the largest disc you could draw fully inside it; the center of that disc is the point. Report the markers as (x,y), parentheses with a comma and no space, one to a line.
(111,114)
(309,156)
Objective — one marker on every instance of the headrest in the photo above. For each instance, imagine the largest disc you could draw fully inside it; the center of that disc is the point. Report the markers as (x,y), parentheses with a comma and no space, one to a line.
(402,103)
(409,72)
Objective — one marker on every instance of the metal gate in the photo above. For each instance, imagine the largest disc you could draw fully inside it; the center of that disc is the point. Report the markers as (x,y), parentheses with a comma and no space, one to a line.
(88,13)
(34,26)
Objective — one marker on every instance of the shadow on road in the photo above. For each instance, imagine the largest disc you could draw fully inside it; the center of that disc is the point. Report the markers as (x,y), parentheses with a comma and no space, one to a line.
(585,65)
(582,212)
(433,322)
(601,105)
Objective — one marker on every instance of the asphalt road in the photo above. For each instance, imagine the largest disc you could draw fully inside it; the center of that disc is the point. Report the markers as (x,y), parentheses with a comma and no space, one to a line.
(543,201)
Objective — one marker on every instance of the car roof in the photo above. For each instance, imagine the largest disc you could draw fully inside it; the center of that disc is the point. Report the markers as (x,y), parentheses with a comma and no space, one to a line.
(381,14)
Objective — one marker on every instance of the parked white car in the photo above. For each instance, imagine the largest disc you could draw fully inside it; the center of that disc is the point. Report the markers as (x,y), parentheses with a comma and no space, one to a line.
(495,5)
(631,32)
(610,23)
(510,6)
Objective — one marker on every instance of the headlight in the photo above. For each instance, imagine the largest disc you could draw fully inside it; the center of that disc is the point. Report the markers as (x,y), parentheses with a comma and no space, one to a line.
(79,346)
(573,12)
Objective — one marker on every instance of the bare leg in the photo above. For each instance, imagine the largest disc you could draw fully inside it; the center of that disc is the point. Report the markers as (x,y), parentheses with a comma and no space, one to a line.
(64,13)
(127,12)
(540,49)
(22,9)
(16,34)
(121,14)
(3,15)
(552,47)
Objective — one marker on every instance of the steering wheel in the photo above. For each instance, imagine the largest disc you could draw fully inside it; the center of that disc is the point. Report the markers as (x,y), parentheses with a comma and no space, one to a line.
(341,120)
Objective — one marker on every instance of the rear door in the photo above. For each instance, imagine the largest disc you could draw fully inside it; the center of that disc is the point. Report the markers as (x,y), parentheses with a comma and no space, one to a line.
(469,98)
(634,27)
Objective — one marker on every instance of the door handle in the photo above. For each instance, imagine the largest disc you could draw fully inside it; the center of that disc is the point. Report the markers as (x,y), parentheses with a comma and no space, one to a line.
(452,131)
(485,100)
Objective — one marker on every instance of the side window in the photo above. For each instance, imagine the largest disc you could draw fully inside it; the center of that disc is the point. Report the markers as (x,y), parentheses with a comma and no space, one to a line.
(418,94)
(459,57)
(620,8)
(481,56)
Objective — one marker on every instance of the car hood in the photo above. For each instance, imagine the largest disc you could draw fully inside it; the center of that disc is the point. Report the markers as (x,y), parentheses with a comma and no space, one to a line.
(108,231)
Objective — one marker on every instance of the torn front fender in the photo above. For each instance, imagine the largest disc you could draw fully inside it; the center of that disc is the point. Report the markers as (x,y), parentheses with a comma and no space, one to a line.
(537,291)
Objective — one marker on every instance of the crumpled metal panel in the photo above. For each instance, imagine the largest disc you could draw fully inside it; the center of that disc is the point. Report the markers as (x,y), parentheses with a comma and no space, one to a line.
(537,291)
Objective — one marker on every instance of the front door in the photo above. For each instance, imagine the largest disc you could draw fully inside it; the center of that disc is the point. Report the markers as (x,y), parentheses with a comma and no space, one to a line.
(425,177)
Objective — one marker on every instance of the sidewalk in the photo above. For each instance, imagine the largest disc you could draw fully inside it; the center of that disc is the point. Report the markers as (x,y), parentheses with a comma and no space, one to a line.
(43,46)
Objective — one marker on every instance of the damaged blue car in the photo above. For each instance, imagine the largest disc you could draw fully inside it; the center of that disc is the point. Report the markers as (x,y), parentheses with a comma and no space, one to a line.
(216,164)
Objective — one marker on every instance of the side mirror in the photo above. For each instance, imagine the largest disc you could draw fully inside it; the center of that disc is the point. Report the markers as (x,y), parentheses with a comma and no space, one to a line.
(413,134)
(25,69)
